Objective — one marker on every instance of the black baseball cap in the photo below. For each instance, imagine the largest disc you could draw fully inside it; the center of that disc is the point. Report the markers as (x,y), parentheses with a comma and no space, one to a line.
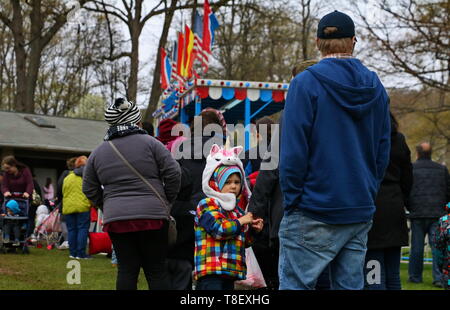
(343,22)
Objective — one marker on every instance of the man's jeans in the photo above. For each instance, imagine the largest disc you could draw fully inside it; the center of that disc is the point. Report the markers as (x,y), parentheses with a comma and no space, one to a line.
(420,228)
(308,246)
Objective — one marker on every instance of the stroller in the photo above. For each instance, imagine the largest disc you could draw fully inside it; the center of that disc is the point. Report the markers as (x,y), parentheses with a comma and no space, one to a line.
(20,219)
(49,229)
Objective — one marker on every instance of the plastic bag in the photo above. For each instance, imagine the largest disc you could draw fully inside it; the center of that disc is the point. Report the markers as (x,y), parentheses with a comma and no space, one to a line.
(172,233)
(255,278)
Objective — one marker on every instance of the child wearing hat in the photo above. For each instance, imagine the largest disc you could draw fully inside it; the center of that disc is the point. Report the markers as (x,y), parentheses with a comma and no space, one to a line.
(12,210)
(222,228)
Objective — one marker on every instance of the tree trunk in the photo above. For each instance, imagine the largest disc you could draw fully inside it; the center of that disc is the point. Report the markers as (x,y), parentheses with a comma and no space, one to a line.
(134,66)
(34,57)
(135,29)
(21,56)
(306,8)
(27,65)
(156,88)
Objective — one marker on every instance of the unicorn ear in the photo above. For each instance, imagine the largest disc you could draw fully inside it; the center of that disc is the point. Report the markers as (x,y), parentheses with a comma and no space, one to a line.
(237,150)
(214,150)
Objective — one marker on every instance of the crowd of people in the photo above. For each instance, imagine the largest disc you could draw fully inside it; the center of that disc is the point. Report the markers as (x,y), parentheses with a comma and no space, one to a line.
(331,209)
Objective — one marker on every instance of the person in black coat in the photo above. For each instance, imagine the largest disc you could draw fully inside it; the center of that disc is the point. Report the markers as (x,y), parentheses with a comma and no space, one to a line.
(256,153)
(59,184)
(195,161)
(181,256)
(64,241)
(33,208)
(266,202)
(389,230)
(429,195)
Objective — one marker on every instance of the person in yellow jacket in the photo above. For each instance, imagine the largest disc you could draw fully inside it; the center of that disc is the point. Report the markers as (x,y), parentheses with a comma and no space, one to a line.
(76,210)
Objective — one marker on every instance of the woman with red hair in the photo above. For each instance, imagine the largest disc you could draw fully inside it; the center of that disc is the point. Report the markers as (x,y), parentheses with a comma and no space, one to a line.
(76,209)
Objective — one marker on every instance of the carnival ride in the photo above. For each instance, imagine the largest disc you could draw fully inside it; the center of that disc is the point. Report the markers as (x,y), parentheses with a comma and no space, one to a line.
(239,101)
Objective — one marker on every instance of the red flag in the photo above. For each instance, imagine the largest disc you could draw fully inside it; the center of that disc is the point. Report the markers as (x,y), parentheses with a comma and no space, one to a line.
(165,69)
(180,55)
(206,29)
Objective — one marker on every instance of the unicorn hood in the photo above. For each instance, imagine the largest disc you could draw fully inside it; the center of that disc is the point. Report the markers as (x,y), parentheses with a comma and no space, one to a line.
(217,157)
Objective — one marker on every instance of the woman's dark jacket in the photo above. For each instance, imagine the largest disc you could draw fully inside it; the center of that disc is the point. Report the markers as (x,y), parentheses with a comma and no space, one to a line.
(183,211)
(267,199)
(389,227)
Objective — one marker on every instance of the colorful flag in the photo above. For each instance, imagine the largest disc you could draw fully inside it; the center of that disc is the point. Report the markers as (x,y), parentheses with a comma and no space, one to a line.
(180,59)
(198,26)
(200,53)
(206,28)
(213,25)
(188,58)
(174,56)
(210,24)
(166,69)
(170,102)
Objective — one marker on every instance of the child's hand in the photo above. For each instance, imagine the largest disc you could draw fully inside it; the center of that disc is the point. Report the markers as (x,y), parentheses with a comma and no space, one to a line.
(258,224)
(246,219)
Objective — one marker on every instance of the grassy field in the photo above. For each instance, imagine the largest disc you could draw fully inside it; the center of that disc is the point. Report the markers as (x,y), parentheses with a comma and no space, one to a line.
(47,270)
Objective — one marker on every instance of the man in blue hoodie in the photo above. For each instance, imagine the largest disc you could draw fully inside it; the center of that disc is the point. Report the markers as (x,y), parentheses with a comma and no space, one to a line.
(335,147)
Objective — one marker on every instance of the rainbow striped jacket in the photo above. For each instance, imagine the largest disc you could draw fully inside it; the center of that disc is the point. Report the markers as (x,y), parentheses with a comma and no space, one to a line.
(220,241)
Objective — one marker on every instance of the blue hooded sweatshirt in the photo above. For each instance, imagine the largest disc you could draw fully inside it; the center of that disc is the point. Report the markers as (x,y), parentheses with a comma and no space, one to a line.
(335,142)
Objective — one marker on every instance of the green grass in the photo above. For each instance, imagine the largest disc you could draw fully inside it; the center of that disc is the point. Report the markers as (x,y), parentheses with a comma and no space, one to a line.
(47,270)
(427,283)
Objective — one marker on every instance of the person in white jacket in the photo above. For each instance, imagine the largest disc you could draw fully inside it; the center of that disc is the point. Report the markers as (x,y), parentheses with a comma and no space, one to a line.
(42,213)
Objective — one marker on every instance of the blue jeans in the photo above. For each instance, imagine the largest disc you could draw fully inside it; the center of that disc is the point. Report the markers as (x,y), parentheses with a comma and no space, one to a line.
(78,229)
(12,226)
(388,265)
(214,282)
(420,228)
(308,246)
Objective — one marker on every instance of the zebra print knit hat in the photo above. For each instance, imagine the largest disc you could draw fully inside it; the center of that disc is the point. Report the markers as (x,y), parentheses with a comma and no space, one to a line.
(122,112)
